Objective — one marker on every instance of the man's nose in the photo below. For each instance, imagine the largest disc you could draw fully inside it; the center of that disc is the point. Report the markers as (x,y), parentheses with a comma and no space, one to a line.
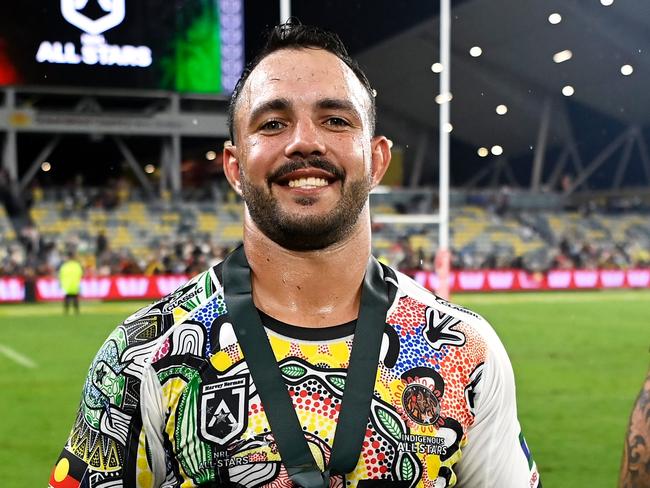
(306,139)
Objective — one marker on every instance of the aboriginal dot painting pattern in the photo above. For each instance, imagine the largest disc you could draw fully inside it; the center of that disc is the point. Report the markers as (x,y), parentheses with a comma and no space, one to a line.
(456,367)
(373,453)
(453,363)
(206,315)
(415,351)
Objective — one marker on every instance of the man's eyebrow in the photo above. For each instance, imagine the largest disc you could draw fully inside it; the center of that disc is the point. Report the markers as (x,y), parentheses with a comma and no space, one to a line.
(270,106)
(338,104)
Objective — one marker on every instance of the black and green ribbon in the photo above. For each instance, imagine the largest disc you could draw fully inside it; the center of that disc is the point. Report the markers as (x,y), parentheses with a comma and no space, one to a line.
(272,389)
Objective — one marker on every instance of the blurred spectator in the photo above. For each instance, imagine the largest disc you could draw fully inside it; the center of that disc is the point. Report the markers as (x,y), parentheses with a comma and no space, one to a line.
(101,244)
(70,275)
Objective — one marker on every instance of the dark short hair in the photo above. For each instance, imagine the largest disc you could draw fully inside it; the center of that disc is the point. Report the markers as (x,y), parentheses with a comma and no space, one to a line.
(293,35)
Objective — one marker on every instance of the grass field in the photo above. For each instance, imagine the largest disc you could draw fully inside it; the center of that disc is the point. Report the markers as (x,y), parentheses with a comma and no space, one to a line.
(580,359)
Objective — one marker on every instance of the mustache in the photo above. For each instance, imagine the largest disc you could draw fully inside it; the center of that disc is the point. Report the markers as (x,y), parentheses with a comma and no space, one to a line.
(318,163)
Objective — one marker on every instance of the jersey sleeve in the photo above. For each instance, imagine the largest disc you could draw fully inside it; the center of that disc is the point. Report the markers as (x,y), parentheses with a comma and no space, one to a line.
(107,445)
(496,454)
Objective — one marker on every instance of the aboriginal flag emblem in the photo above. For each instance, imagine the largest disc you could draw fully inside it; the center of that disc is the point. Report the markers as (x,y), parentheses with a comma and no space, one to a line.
(68,471)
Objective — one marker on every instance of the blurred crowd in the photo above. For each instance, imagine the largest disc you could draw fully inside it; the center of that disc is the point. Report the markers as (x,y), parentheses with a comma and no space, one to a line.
(569,254)
(32,254)
(42,257)
(36,256)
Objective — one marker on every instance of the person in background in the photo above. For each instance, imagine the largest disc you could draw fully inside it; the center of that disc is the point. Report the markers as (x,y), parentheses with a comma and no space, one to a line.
(70,274)
(635,468)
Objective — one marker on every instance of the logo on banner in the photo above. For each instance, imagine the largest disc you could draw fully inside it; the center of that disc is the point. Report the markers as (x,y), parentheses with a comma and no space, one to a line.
(94,48)
(115,12)
(224,406)
(95,287)
(132,287)
(11,290)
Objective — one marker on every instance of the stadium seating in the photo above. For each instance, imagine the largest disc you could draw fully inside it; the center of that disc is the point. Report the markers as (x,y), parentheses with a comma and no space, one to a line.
(163,235)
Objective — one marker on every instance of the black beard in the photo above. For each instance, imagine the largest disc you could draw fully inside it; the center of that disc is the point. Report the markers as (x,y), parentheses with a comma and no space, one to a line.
(305,233)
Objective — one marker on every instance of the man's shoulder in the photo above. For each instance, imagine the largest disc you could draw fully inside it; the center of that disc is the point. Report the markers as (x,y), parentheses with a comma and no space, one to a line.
(175,308)
(407,287)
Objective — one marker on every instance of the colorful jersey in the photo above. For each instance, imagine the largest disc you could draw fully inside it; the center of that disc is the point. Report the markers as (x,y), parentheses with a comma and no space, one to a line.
(169,400)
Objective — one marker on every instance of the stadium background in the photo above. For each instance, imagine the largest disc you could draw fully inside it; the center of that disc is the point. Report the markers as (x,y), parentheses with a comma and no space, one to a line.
(115,152)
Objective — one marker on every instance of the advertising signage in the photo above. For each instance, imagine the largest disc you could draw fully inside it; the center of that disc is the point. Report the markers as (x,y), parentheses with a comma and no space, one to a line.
(179,45)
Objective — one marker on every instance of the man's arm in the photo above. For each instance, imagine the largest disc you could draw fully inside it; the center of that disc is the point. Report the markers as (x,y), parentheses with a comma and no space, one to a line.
(107,441)
(635,469)
(496,454)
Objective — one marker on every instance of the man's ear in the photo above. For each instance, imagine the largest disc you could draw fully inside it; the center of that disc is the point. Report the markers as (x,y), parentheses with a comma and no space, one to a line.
(380,148)
(231,166)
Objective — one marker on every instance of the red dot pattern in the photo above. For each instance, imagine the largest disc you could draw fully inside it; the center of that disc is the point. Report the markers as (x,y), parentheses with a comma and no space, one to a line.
(409,314)
(162,351)
(455,368)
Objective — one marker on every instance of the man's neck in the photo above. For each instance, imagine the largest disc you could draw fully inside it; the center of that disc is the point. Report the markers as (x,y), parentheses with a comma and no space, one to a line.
(312,289)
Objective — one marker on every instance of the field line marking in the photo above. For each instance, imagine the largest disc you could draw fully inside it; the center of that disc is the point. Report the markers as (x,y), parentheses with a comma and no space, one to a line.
(17,357)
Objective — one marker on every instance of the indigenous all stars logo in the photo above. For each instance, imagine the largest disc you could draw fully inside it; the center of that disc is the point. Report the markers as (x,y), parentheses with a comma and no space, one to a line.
(94,49)
(420,404)
(223,409)
(115,12)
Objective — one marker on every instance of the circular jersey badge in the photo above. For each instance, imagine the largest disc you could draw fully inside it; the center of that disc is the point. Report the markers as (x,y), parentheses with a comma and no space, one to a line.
(420,404)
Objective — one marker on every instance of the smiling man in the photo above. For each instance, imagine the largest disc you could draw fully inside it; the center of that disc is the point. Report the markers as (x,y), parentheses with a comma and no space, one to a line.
(300,360)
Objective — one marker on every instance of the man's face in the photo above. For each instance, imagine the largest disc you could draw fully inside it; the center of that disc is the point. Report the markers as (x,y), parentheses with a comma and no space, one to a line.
(303,158)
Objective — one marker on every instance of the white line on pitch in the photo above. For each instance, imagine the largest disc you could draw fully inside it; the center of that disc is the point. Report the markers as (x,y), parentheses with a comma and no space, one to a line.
(17,357)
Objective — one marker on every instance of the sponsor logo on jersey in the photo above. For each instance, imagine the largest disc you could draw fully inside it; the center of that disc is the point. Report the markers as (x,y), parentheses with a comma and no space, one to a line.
(420,404)
(177,302)
(224,409)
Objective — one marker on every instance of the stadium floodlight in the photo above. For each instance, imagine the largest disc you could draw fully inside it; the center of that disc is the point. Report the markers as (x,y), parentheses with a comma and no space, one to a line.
(555,18)
(627,70)
(568,90)
(444,97)
(437,67)
(562,56)
(475,51)
(502,109)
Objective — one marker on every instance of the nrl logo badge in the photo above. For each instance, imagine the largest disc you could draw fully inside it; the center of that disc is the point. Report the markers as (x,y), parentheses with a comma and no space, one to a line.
(115,12)
(224,406)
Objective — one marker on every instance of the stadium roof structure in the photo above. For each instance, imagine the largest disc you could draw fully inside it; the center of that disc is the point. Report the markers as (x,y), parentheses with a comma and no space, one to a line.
(604,118)
(596,138)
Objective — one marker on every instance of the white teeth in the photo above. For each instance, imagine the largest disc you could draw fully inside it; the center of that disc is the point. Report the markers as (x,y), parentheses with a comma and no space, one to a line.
(308,182)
